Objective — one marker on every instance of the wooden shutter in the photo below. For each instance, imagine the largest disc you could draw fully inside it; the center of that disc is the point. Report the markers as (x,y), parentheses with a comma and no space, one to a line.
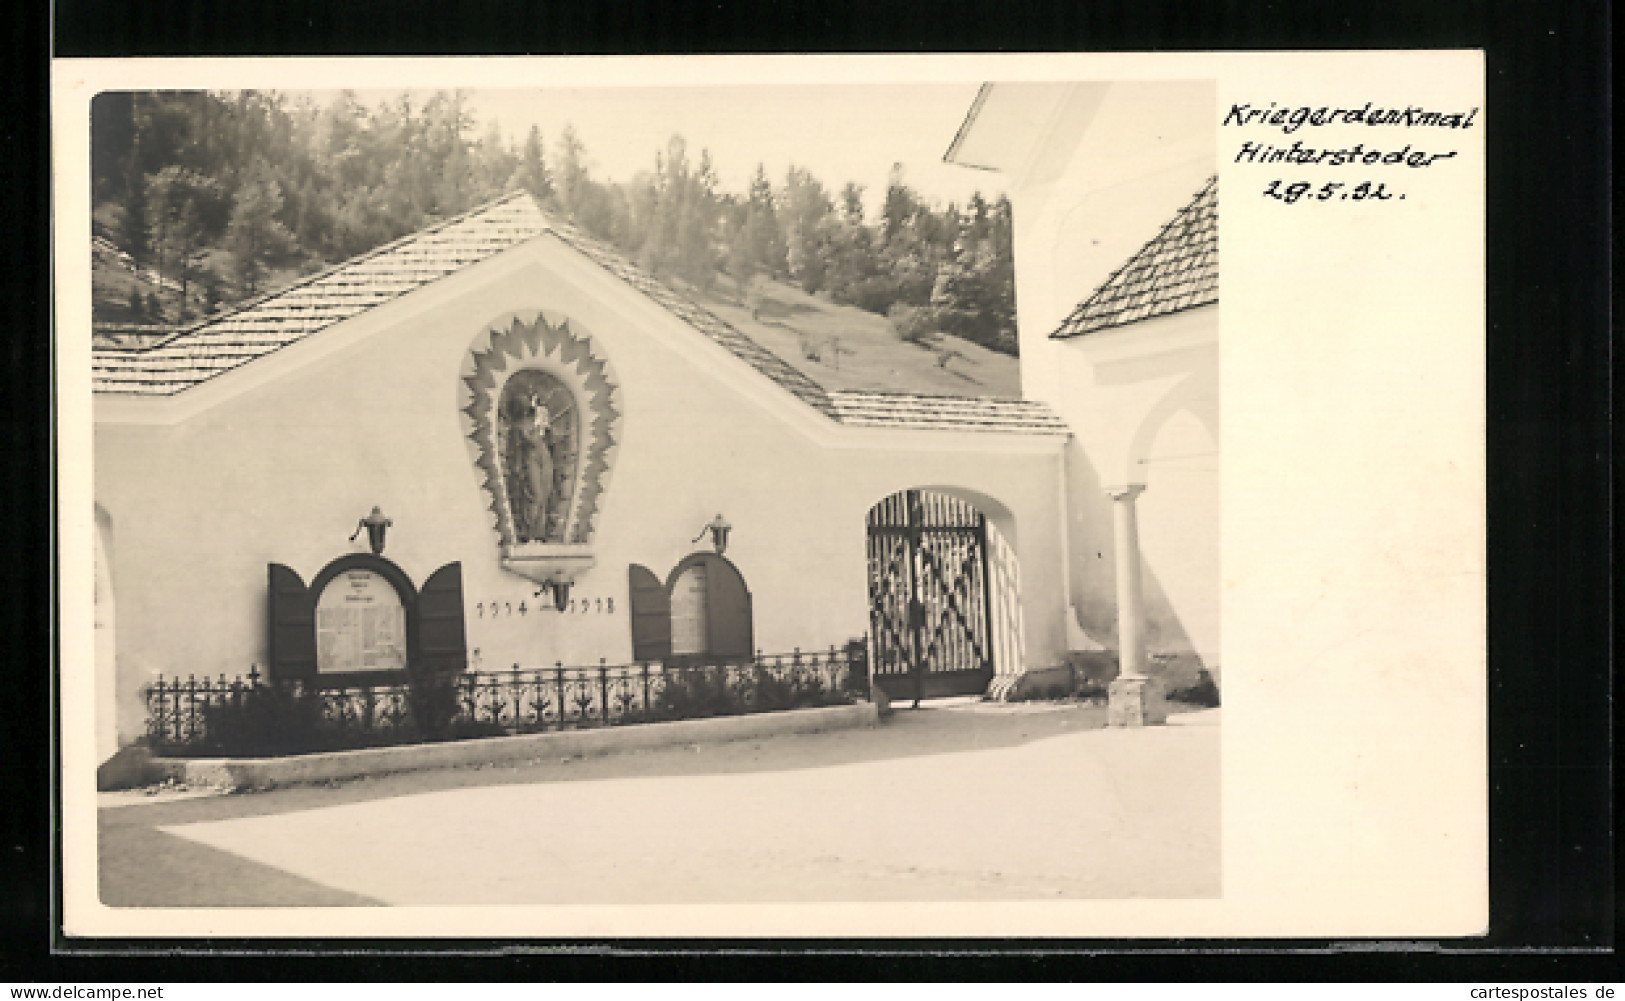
(651,615)
(291,616)
(442,645)
(728,604)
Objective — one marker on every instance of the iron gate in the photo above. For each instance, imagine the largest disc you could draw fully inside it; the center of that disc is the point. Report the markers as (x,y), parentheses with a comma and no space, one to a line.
(929,612)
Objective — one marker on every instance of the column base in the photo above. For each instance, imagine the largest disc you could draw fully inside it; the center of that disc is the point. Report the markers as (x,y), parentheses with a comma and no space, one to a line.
(1135,702)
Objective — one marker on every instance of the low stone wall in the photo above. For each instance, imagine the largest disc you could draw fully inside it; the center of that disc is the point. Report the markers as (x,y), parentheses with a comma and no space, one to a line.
(304,769)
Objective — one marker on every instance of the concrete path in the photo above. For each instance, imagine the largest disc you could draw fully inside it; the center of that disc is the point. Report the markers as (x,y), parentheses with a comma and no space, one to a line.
(957,801)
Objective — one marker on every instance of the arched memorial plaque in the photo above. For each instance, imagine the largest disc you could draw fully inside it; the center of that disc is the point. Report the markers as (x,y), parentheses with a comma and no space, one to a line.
(362,622)
(360,625)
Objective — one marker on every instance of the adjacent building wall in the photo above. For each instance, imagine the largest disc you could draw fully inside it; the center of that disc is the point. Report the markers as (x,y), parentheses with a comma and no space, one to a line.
(1114,163)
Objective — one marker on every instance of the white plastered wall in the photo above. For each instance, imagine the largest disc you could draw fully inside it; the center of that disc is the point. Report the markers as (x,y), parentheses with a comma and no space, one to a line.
(1111,167)
(280,468)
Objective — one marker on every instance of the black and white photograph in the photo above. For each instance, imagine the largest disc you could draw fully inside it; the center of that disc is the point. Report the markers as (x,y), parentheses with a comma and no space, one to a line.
(763,498)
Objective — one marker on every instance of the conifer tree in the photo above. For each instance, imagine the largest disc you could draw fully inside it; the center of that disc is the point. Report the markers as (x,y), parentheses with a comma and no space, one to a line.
(852,203)
(186,212)
(806,208)
(756,244)
(254,235)
(532,174)
(571,176)
(900,204)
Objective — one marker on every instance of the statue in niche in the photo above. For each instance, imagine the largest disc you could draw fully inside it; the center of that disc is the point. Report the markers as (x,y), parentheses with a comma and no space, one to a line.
(538,455)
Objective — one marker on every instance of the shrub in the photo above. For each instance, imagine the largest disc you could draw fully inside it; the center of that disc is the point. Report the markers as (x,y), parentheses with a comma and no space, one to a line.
(296,718)
(1044,693)
(808,690)
(432,696)
(913,323)
(694,692)
(875,294)
(1203,693)
(772,692)
(1089,688)
(270,719)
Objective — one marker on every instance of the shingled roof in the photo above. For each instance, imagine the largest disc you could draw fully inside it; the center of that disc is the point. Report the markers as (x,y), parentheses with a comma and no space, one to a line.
(1177,270)
(256,329)
(959,413)
(262,326)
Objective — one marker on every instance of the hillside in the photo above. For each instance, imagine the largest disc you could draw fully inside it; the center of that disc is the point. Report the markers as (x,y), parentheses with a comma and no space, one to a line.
(203,201)
(843,347)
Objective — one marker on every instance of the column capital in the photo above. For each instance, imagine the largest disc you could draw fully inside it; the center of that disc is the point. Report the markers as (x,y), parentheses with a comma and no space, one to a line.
(1125,491)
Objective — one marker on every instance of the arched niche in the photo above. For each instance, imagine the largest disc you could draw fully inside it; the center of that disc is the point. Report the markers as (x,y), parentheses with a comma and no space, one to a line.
(542,418)
(539,453)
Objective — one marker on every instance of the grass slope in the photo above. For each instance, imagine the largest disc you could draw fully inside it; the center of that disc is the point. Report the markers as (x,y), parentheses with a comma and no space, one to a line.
(843,347)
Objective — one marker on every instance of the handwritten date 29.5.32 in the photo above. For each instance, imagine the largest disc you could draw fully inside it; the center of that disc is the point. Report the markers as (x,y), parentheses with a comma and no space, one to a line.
(1330,191)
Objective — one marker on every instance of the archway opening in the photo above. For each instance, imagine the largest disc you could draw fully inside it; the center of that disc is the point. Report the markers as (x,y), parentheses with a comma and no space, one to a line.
(944,594)
(1178,521)
(111,712)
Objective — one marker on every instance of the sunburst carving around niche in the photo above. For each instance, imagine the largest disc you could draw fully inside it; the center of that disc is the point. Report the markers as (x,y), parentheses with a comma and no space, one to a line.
(543,422)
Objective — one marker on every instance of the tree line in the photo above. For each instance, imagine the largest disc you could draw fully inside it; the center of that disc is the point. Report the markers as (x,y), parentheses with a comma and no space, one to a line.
(215,197)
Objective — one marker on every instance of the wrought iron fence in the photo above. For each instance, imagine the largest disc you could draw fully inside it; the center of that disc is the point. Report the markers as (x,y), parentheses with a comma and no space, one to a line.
(250,716)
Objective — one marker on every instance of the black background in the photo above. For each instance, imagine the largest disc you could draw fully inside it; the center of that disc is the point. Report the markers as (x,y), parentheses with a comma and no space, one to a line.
(1550,461)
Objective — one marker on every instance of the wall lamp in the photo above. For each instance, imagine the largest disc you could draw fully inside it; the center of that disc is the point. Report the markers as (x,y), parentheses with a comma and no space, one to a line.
(375,524)
(719,529)
(559,589)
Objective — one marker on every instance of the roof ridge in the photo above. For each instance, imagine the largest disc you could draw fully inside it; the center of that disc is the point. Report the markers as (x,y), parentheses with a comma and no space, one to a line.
(912,394)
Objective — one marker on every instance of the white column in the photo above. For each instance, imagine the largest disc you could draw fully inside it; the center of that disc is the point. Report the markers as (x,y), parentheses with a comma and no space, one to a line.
(1130,608)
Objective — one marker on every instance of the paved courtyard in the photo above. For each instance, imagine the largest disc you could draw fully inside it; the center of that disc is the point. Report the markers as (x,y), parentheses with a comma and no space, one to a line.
(959,800)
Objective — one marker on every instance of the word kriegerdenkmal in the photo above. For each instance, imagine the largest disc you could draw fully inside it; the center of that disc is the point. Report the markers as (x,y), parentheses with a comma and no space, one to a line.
(1291,119)
(1252,152)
